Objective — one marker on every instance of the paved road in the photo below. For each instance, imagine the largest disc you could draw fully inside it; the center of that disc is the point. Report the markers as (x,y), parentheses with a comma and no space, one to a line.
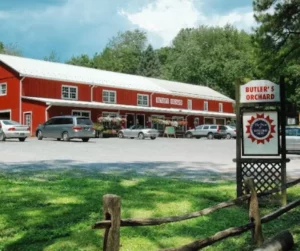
(206,160)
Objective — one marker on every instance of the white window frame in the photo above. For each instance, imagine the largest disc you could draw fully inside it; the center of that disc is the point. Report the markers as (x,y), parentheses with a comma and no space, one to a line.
(1,89)
(220,107)
(81,111)
(142,95)
(109,92)
(69,92)
(205,106)
(190,104)
(108,114)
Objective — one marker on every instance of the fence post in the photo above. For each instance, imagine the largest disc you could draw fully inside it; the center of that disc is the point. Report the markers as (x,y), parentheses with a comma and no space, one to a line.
(257,235)
(112,212)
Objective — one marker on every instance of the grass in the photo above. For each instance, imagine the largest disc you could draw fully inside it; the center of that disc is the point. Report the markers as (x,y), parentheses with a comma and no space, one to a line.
(54,210)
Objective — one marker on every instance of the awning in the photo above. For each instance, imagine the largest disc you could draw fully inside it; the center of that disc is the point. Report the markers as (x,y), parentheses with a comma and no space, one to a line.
(84,104)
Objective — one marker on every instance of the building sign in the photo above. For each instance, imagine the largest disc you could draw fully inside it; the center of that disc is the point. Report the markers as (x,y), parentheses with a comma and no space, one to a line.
(171,101)
(258,91)
(260,133)
(176,101)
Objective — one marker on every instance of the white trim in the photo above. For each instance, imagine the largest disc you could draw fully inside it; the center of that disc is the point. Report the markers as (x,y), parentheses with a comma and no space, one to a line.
(7,110)
(205,106)
(154,110)
(221,106)
(142,95)
(138,114)
(4,83)
(69,86)
(126,118)
(81,111)
(46,112)
(28,112)
(116,113)
(115,92)
(20,99)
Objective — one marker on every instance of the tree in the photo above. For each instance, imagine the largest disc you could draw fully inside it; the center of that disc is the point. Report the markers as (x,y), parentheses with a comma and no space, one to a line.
(210,56)
(149,65)
(122,53)
(278,33)
(10,49)
(82,60)
(53,57)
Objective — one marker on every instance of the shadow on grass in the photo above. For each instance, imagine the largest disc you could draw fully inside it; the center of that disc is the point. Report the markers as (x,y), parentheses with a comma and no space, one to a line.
(52,205)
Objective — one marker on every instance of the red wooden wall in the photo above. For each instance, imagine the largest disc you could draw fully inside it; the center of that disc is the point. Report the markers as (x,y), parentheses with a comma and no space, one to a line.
(11,101)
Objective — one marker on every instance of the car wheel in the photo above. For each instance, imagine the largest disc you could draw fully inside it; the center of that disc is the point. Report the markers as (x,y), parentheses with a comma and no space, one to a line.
(22,139)
(131,137)
(121,135)
(85,139)
(141,135)
(65,136)
(197,137)
(58,139)
(228,136)
(210,136)
(39,135)
(189,135)
(2,137)
(152,138)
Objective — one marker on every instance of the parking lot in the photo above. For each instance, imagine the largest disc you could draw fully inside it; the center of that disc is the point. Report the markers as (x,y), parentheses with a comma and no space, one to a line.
(205,160)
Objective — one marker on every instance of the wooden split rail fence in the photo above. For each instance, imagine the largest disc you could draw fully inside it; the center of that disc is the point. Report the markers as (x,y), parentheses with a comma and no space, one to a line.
(112,219)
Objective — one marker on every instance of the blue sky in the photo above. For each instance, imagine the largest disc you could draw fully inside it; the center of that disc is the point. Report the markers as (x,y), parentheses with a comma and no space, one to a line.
(75,27)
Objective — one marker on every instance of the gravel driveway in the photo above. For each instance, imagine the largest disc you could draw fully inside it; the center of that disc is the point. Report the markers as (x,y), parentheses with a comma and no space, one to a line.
(205,160)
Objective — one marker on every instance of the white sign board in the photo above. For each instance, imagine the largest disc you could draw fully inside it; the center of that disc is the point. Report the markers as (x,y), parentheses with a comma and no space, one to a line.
(259,91)
(171,101)
(260,133)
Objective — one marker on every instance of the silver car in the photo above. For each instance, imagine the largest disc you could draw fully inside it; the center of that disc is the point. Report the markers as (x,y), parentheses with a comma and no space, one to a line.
(66,128)
(10,129)
(138,131)
(209,131)
(292,139)
(231,132)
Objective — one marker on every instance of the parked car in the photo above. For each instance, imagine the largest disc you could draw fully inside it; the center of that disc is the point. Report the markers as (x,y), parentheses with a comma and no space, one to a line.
(209,131)
(292,139)
(231,132)
(10,129)
(138,131)
(66,128)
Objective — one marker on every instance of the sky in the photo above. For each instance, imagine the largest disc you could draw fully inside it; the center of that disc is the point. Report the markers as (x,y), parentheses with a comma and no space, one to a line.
(75,27)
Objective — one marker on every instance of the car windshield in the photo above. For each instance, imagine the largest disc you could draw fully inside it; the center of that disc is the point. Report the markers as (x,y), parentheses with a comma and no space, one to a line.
(84,121)
(136,127)
(10,122)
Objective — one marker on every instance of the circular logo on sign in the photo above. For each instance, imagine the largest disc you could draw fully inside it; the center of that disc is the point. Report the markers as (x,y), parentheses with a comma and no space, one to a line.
(260,128)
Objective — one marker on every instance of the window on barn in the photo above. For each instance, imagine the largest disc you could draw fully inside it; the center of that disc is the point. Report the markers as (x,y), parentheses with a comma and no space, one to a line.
(81,113)
(220,107)
(109,96)
(3,89)
(143,100)
(69,92)
(205,106)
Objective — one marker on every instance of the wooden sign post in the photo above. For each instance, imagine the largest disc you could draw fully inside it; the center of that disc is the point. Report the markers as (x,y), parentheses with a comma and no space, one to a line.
(261,116)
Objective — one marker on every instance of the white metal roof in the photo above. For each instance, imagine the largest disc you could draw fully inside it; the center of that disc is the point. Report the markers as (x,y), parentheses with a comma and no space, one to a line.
(83,104)
(78,74)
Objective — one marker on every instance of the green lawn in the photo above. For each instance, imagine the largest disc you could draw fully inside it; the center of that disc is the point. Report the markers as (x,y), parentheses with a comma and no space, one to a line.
(54,210)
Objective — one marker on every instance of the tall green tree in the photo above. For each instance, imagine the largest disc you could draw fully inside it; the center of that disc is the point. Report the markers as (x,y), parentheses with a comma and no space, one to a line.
(82,60)
(211,56)
(149,65)
(122,53)
(10,49)
(53,57)
(278,33)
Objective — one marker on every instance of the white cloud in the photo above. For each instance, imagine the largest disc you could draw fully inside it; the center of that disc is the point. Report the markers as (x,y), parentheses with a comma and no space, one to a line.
(164,18)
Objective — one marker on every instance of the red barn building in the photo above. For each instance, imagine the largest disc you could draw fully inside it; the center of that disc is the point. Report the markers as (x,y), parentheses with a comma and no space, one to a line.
(31,91)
